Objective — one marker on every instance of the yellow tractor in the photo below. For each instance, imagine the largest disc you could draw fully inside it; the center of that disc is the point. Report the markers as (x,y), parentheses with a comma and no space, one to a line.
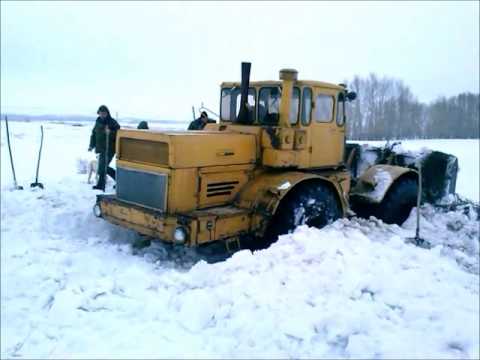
(276,159)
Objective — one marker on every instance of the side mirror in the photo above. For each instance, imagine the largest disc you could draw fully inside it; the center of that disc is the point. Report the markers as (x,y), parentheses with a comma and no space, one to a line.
(351,95)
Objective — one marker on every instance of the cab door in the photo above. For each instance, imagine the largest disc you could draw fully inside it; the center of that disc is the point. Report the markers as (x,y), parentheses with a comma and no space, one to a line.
(327,135)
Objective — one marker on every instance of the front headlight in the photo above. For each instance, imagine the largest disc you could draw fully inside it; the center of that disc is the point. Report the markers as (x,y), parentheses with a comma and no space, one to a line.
(97,211)
(180,235)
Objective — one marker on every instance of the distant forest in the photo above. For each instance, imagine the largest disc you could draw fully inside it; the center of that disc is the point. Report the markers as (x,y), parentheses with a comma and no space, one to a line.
(385,109)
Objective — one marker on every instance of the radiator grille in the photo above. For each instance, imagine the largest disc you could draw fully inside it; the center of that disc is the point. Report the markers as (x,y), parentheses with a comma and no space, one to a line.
(144,151)
(221,188)
(142,188)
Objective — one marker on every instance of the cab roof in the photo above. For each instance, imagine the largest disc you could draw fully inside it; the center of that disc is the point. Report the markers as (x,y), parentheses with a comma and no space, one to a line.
(230,84)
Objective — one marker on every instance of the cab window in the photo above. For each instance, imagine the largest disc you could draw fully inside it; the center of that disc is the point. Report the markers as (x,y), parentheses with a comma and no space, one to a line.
(340,109)
(323,108)
(294,106)
(269,105)
(230,104)
(306,106)
(269,101)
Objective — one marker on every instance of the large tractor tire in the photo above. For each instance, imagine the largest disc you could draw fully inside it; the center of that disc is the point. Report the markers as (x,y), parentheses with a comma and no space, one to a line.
(395,206)
(312,204)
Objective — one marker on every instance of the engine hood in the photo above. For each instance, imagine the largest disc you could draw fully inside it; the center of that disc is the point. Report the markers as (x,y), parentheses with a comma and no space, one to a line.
(186,149)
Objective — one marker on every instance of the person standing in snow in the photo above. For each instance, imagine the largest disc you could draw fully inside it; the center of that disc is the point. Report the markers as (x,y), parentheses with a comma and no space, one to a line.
(105,126)
(142,125)
(199,124)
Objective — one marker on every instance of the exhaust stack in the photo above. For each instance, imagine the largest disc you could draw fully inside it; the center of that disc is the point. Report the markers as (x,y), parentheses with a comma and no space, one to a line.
(288,76)
(243,115)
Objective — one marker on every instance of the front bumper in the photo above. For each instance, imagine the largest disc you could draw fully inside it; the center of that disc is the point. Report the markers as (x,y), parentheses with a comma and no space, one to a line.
(201,226)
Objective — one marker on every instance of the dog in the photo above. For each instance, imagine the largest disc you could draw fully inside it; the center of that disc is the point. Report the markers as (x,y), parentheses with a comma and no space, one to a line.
(92,169)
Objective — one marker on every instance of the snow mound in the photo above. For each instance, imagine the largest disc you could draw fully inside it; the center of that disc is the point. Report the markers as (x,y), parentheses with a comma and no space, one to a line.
(73,288)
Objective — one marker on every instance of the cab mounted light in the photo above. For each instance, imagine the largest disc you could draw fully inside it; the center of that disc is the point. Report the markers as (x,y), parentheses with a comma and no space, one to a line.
(351,95)
(180,235)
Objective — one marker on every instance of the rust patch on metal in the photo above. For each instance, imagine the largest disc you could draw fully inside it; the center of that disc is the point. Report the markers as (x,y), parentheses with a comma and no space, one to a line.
(274,137)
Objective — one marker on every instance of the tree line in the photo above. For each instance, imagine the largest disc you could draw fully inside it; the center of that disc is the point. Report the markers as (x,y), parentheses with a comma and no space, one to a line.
(386,108)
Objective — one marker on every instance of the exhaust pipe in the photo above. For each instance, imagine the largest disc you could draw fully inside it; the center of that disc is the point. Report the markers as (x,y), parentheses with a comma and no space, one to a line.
(288,76)
(243,115)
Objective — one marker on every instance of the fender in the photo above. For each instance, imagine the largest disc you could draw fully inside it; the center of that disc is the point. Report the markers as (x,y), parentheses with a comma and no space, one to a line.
(374,183)
(264,194)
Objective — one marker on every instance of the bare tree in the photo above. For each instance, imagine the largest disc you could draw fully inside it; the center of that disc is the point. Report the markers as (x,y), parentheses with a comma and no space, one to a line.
(387,109)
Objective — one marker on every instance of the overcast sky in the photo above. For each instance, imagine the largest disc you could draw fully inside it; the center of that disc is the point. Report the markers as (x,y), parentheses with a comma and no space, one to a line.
(157,59)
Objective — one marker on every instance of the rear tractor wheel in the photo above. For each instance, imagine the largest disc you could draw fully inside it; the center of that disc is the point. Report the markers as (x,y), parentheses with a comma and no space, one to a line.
(397,204)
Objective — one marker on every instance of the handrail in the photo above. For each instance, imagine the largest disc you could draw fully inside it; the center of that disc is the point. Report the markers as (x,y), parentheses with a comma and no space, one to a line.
(202,107)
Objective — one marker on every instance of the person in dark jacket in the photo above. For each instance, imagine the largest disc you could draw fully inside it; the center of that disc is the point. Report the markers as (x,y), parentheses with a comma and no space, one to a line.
(105,128)
(142,125)
(199,124)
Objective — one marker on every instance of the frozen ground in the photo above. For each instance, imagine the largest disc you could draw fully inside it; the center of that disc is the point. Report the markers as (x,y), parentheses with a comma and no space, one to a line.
(72,286)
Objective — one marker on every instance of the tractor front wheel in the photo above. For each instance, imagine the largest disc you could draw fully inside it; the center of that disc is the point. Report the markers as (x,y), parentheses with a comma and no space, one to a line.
(312,204)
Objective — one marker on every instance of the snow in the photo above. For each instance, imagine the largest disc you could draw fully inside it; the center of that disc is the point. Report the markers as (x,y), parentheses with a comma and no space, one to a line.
(367,159)
(382,180)
(299,215)
(74,287)
(286,185)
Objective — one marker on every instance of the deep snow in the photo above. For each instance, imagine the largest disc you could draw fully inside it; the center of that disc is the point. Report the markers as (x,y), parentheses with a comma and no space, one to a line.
(73,286)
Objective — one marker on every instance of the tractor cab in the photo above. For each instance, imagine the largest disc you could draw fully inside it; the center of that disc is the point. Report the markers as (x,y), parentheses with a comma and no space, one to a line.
(301,123)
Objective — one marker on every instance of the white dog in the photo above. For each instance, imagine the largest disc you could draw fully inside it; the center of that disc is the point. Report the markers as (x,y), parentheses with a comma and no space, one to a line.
(88,164)
(92,169)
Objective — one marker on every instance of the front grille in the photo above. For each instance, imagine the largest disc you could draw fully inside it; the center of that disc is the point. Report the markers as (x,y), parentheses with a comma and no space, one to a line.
(142,188)
(144,151)
(221,188)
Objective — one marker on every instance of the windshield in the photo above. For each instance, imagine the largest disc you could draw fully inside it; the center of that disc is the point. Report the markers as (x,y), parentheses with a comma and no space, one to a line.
(269,101)
(230,104)
(269,105)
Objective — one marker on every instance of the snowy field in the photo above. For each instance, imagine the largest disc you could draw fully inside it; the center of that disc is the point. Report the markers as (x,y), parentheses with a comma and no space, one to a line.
(73,287)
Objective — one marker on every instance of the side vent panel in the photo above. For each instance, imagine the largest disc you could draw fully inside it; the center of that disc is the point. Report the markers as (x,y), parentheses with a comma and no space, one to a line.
(220,188)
